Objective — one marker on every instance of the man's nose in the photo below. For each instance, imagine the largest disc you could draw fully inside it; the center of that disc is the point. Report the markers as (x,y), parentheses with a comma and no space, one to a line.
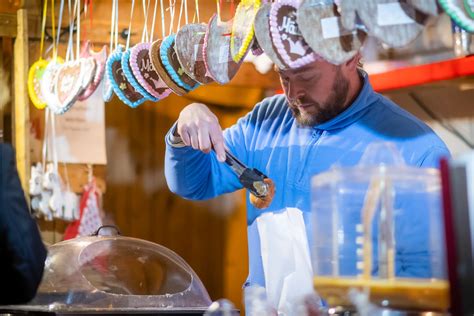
(294,92)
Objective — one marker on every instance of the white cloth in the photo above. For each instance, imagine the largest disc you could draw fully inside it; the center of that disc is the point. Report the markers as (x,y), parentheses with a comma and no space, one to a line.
(286,260)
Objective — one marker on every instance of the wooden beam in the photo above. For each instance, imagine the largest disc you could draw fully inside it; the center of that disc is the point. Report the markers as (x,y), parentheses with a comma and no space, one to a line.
(21,106)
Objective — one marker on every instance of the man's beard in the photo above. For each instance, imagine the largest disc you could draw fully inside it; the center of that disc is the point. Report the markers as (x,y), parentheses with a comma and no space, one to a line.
(329,109)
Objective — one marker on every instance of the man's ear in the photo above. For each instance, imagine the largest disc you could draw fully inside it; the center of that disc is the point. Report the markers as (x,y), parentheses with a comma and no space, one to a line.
(354,62)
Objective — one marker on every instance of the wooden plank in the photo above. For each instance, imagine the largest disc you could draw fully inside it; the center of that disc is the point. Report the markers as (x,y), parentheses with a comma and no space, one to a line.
(21,107)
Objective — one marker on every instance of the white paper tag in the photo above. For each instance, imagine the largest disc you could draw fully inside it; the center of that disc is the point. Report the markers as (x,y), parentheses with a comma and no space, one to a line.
(392,14)
(224,54)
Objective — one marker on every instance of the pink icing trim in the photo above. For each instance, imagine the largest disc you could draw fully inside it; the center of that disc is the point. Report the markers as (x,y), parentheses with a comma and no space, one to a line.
(300,62)
(204,48)
(100,60)
(139,76)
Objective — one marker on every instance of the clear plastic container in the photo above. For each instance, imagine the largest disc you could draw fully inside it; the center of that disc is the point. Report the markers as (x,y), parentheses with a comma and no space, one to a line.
(378,226)
(117,274)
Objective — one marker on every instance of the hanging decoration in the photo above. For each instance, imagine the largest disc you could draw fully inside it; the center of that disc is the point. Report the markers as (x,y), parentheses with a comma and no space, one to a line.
(100,59)
(395,23)
(243,28)
(320,24)
(189,44)
(286,36)
(262,34)
(461,11)
(37,69)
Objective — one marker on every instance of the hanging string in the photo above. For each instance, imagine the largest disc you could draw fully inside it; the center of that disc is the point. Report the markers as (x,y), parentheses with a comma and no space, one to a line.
(71,29)
(60,21)
(116,23)
(78,34)
(130,26)
(186,11)
(112,25)
(197,10)
(145,25)
(162,19)
(153,22)
(180,13)
(43,28)
(218,9)
(172,11)
(53,29)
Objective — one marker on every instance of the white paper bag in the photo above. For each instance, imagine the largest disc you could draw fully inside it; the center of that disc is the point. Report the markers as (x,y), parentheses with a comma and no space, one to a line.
(286,260)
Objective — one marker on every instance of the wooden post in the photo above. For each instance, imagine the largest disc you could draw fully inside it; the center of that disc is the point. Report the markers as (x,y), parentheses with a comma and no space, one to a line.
(21,106)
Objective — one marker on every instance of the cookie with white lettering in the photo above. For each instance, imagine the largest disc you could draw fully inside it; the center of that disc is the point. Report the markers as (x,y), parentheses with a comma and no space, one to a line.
(127,71)
(243,28)
(48,81)
(189,49)
(461,11)
(161,70)
(321,26)
(216,51)
(286,36)
(122,88)
(143,71)
(262,34)
(395,23)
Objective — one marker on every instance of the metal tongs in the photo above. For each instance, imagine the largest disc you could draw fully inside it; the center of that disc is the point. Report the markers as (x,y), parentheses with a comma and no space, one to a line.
(251,179)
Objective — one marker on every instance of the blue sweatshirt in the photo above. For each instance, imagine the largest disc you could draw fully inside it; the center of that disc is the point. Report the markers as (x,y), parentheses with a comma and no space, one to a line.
(268,138)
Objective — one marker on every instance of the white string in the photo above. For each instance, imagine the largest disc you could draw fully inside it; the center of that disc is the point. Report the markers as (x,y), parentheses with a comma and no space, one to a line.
(172,11)
(60,21)
(162,19)
(116,23)
(153,22)
(78,34)
(197,9)
(145,26)
(180,13)
(130,26)
(186,11)
(45,138)
(112,25)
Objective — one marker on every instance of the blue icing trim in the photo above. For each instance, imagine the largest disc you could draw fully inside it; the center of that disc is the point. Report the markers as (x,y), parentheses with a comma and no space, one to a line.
(117,56)
(165,45)
(127,71)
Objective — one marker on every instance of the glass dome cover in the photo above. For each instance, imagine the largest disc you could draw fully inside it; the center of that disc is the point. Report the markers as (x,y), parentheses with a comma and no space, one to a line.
(113,272)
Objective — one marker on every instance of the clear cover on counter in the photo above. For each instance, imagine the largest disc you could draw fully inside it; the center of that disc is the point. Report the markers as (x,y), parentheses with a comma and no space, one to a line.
(107,273)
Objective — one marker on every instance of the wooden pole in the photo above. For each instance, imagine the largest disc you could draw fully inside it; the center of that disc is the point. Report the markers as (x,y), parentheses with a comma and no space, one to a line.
(21,114)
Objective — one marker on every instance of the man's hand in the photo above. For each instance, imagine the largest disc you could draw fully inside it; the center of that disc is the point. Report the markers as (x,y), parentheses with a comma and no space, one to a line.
(199,127)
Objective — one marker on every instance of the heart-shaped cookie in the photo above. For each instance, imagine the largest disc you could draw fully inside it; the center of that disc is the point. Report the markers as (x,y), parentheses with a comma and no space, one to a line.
(216,51)
(127,70)
(429,7)
(161,70)
(169,59)
(461,11)
(321,26)
(100,59)
(262,34)
(34,78)
(68,85)
(243,28)
(395,23)
(48,81)
(143,71)
(188,44)
(122,88)
(286,36)
(107,89)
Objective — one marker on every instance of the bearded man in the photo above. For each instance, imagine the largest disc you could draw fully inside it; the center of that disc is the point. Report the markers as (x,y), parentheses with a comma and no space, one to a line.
(328,115)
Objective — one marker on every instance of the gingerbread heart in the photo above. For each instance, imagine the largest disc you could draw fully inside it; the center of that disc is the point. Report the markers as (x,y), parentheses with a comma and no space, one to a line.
(461,11)
(188,45)
(429,7)
(169,59)
(143,71)
(395,23)
(216,51)
(107,89)
(158,66)
(127,70)
(286,36)
(243,28)
(48,81)
(100,59)
(34,78)
(122,88)
(69,84)
(321,26)
(262,34)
